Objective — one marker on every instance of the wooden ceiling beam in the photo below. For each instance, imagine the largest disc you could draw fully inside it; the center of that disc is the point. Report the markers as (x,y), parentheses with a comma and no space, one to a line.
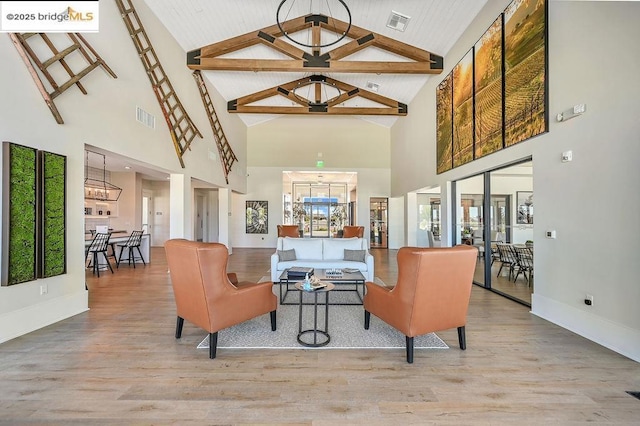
(314,104)
(208,57)
(250,109)
(352,47)
(291,65)
(243,41)
(281,46)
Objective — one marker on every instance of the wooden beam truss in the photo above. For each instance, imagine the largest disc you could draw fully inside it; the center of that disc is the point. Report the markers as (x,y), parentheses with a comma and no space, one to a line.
(317,104)
(420,61)
(28,44)
(181,127)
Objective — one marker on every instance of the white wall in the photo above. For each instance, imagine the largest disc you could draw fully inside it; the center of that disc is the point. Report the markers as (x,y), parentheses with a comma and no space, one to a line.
(595,61)
(104,118)
(265,184)
(292,143)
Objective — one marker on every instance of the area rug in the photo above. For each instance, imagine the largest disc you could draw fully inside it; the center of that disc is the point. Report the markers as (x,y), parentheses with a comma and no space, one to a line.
(346,328)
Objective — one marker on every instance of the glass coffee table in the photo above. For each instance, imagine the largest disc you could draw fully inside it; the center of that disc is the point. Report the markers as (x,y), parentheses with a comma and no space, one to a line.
(345,281)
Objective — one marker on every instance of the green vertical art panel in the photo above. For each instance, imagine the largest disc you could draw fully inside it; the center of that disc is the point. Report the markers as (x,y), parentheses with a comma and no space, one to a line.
(53,213)
(19,214)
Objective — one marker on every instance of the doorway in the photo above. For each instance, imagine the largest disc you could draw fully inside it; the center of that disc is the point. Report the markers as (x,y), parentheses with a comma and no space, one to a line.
(147,215)
(378,213)
(199,219)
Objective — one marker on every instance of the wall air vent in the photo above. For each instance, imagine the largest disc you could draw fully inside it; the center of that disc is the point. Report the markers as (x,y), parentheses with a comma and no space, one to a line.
(398,21)
(145,118)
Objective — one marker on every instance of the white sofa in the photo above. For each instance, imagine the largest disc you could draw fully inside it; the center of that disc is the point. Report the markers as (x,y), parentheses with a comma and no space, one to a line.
(321,253)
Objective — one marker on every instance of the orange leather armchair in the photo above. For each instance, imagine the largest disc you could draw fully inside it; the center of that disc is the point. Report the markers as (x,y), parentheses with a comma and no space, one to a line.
(353,231)
(432,293)
(204,294)
(288,231)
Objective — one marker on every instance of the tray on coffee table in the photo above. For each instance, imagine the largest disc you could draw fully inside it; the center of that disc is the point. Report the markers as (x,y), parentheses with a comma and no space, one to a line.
(345,281)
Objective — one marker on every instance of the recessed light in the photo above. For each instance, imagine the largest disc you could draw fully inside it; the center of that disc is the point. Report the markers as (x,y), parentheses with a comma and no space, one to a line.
(127,167)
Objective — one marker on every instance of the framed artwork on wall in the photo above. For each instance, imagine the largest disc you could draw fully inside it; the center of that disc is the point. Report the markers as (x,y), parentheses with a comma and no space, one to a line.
(463,110)
(525,70)
(52,245)
(524,204)
(257,213)
(499,89)
(444,138)
(33,214)
(487,73)
(19,214)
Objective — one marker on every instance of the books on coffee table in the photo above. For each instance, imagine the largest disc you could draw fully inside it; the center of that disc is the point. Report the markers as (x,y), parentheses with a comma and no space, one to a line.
(299,272)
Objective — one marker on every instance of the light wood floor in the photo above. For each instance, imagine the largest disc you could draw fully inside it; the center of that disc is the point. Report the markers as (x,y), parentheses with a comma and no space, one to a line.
(119,363)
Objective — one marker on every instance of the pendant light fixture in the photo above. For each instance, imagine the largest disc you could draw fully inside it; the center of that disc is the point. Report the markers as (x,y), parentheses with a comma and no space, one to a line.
(96,189)
(314,9)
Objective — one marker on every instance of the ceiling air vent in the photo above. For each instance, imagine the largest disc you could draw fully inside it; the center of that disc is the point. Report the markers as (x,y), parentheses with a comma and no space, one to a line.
(398,21)
(145,118)
(374,87)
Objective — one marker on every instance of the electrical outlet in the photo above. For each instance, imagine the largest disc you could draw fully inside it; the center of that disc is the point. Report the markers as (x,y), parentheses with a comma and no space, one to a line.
(44,289)
(588,300)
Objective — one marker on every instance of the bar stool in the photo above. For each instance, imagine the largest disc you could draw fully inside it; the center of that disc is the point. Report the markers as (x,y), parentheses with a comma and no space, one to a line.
(134,241)
(99,244)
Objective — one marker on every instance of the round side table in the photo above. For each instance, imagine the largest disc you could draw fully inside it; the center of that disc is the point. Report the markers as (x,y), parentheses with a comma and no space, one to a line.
(320,335)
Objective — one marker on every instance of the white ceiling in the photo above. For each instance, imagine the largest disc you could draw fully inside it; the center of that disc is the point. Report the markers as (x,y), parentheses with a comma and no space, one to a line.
(435,25)
(117,163)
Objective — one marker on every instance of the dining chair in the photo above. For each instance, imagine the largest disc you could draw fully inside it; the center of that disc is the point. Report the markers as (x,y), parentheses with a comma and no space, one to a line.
(133,242)
(99,244)
(477,240)
(507,258)
(495,254)
(525,263)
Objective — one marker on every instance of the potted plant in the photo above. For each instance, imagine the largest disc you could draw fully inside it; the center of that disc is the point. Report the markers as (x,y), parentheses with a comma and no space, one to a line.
(338,217)
(299,214)
(467,231)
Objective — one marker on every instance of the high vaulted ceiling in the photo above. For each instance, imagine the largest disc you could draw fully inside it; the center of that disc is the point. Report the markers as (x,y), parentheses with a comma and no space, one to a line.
(434,26)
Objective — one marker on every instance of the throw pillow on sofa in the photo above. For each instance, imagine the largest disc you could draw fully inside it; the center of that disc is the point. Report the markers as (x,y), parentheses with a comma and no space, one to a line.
(354,255)
(334,247)
(287,255)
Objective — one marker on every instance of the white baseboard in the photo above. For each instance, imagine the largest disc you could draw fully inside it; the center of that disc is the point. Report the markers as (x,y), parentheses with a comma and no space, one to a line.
(617,337)
(34,317)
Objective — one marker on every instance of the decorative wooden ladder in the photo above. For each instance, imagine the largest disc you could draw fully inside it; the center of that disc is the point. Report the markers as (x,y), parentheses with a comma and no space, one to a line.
(27,46)
(181,127)
(227,157)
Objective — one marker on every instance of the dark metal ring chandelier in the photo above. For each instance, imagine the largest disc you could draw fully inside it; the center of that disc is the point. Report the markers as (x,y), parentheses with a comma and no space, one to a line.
(309,45)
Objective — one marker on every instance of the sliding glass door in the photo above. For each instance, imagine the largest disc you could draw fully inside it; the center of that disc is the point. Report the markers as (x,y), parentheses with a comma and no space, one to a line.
(500,225)
(320,210)
(470,219)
